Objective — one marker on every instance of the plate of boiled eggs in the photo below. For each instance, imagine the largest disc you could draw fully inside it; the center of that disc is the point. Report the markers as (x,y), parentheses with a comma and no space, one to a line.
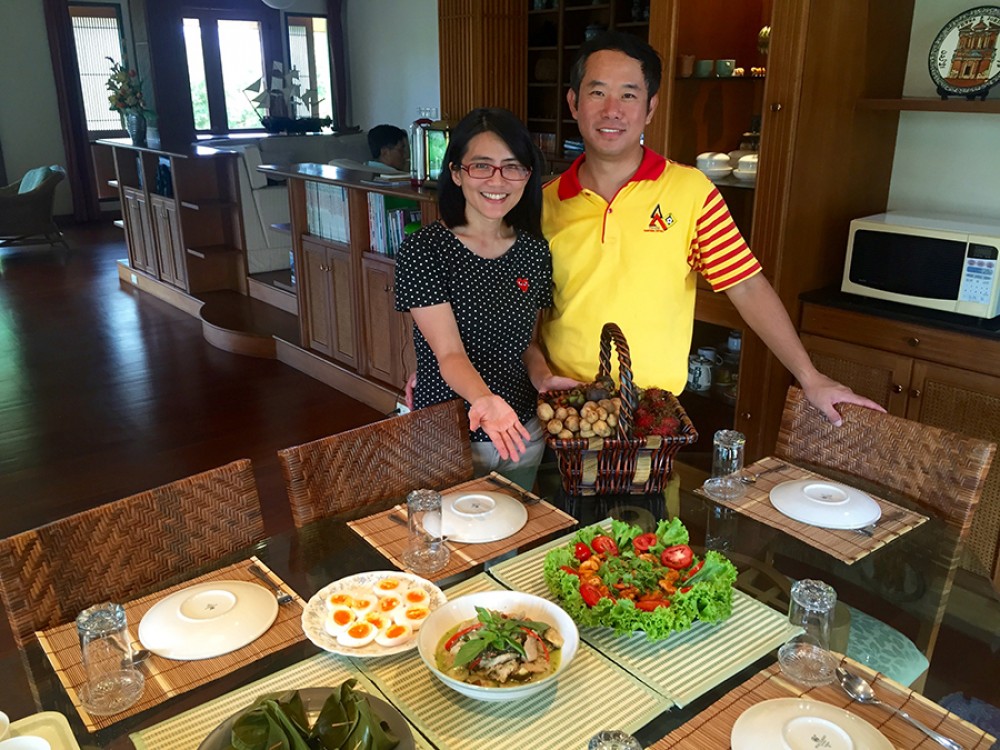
(377,613)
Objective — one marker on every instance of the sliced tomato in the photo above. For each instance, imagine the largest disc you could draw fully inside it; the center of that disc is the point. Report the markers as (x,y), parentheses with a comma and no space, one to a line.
(590,593)
(454,639)
(677,557)
(694,569)
(571,571)
(643,542)
(582,552)
(648,605)
(685,589)
(604,545)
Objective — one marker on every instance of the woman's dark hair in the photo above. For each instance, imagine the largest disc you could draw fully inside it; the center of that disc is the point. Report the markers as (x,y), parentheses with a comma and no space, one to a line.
(628,44)
(527,214)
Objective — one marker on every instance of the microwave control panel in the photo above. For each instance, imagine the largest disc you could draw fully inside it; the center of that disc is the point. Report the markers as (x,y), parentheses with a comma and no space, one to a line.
(979,274)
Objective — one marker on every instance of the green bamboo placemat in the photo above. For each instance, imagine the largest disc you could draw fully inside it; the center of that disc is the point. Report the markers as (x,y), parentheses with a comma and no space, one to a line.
(592,694)
(686,664)
(187,730)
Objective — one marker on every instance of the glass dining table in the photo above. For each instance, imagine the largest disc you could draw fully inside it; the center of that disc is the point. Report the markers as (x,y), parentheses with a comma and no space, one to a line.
(906,583)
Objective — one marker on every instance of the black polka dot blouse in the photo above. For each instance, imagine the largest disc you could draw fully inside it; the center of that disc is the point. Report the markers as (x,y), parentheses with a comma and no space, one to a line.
(495,302)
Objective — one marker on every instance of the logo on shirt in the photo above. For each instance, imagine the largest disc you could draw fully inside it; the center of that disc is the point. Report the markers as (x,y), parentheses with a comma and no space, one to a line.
(657,221)
(522,284)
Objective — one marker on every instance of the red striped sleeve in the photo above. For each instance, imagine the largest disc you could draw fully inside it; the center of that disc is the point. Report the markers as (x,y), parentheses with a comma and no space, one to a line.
(718,250)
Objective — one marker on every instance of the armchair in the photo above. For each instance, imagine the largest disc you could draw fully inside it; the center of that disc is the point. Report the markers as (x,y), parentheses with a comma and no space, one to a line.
(26,209)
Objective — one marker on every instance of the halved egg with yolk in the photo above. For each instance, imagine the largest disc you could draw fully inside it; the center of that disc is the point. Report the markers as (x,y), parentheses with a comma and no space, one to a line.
(339,599)
(412,616)
(378,619)
(389,604)
(416,597)
(363,604)
(339,619)
(388,586)
(361,633)
(394,635)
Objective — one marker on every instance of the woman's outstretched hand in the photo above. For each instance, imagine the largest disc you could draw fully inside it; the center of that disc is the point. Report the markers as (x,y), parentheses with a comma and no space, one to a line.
(501,425)
(557,383)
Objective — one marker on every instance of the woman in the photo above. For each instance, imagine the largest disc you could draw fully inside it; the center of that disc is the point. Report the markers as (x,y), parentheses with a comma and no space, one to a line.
(474,283)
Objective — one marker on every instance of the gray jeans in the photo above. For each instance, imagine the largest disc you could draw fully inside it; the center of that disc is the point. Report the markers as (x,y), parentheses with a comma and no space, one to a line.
(486,459)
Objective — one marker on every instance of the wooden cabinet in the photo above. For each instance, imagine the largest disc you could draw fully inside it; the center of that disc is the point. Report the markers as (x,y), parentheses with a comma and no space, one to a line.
(328,305)
(929,375)
(169,244)
(387,332)
(135,214)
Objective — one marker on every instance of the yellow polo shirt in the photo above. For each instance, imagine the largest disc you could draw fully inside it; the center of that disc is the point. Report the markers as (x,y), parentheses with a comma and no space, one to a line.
(633,262)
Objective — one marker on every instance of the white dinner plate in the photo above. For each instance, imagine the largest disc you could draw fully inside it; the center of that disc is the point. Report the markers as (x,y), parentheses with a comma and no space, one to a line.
(208,620)
(477,517)
(800,724)
(714,173)
(829,505)
(314,615)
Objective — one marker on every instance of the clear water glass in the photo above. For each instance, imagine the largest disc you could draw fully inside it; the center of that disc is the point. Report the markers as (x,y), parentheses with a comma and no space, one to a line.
(112,681)
(807,658)
(727,466)
(720,528)
(613,739)
(426,551)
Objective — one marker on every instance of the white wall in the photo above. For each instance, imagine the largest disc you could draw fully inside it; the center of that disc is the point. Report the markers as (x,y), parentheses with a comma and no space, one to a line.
(29,117)
(944,161)
(392,49)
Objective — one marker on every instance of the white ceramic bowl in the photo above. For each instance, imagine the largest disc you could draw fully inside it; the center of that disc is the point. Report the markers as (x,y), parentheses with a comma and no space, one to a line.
(715,173)
(829,505)
(712,160)
(747,163)
(463,608)
(25,742)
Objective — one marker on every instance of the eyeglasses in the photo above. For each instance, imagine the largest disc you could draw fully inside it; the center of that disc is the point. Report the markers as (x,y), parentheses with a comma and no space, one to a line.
(484,171)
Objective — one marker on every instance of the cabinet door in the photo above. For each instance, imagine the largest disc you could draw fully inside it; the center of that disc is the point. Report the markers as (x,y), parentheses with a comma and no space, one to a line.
(881,376)
(382,325)
(315,286)
(136,228)
(166,234)
(342,319)
(179,265)
(969,403)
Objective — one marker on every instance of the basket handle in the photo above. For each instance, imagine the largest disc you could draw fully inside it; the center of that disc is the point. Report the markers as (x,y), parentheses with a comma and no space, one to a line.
(612,333)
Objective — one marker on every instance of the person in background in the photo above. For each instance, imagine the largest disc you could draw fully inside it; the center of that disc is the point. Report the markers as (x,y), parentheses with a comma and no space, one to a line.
(474,283)
(390,148)
(629,230)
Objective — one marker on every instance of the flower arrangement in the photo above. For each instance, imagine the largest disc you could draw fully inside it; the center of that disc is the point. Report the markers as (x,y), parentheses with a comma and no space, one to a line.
(125,89)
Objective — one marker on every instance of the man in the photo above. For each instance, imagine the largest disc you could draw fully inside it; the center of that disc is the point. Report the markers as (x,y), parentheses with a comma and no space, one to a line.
(389,147)
(628,229)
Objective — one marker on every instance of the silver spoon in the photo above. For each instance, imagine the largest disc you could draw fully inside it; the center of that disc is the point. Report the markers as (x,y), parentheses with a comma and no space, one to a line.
(860,690)
(752,478)
(283,597)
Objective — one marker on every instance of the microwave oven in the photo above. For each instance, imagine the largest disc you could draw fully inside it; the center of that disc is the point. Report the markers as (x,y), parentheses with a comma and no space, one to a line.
(938,261)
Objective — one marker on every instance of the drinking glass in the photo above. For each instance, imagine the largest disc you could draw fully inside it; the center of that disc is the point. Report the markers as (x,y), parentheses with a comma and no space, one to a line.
(613,739)
(112,681)
(720,528)
(727,466)
(426,551)
(806,658)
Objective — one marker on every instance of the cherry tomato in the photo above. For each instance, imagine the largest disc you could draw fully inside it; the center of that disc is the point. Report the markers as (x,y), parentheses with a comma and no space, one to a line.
(677,557)
(694,569)
(604,545)
(590,594)
(685,589)
(582,552)
(650,604)
(571,571)
(643,542)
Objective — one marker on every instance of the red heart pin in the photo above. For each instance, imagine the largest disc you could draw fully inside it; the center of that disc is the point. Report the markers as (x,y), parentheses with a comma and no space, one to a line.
(522,284)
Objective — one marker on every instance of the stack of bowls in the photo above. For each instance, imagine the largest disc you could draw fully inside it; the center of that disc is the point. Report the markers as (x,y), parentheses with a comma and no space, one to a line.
(714,165)
(746,168)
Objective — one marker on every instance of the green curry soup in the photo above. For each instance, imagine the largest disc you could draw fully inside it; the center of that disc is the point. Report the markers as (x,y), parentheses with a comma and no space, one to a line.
(499,650)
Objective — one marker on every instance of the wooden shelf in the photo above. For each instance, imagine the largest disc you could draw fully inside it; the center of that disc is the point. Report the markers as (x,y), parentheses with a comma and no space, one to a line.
(207,203)
(987,107)
(631,24)
(208,251)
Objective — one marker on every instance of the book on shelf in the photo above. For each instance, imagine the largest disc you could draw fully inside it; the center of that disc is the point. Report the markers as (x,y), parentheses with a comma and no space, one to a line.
(388,216)
(326,211)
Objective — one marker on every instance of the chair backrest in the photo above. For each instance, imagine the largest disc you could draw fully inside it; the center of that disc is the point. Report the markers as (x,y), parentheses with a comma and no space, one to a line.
(119,550)
(942,471)
(426,448)
(40,177)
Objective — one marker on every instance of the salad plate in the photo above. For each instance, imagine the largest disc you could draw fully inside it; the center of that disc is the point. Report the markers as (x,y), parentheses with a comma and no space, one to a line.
(801,724)
(477,517)
(829,505)
(315,613)
(313,700)
(207,620)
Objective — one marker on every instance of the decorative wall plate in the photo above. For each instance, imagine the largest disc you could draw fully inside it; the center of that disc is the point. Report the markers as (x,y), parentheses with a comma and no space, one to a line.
(964,59)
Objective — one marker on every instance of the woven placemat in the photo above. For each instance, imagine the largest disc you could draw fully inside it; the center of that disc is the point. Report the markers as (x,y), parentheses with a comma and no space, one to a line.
(166,678)
(593,694)
(688,663)
(187,730)
(712,728)
(386,531)
(844,544)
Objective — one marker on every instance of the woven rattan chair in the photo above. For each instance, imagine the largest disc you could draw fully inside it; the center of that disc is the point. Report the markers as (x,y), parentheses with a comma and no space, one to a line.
(119,550)
(941,471)
(26,209)
(425,448)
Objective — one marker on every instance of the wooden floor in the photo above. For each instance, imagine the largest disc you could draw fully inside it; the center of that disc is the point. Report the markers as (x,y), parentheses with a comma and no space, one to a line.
(106,391)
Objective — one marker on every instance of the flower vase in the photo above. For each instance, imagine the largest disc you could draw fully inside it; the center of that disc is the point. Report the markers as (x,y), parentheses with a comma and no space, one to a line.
(135,124)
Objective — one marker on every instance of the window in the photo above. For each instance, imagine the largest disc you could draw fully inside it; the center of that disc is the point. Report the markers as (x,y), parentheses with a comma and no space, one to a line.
(309,52)
(97,32)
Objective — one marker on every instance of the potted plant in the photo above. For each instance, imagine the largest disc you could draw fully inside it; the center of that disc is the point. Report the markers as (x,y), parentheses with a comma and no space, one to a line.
(125,97)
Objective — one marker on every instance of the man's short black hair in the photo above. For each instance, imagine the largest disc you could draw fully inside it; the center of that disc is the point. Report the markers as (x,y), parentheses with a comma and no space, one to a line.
(629,44)
(526,215)
(384,136)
